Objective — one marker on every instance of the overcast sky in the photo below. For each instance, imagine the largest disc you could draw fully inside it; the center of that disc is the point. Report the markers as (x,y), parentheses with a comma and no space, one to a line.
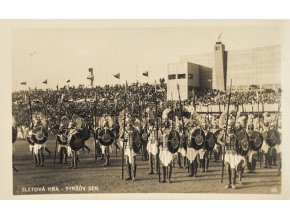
(66,53)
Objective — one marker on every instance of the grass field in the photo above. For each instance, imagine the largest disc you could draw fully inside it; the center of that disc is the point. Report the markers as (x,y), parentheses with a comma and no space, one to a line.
(91,177)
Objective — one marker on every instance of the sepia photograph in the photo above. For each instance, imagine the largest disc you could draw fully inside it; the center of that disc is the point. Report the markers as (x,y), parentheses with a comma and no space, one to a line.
(147,109)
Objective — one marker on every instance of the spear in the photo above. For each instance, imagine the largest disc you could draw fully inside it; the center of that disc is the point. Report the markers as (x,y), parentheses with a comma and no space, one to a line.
(30,112)
(260,152)
(124,126)
(223,163)
(94,127)
(157,128)
(182,121)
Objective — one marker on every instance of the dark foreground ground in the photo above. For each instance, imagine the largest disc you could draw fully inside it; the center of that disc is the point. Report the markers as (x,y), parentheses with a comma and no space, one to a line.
(91,177)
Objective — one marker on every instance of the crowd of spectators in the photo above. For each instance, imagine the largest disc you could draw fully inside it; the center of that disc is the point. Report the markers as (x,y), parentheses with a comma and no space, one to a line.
(97,101)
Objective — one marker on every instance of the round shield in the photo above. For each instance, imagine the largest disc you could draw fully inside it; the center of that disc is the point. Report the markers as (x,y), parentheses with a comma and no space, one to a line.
(136,143)
(243,142)
(14,134)
(173,141)
(144,136)
(210,141)
(77,142)
(39,135)
(197,139)
(273,138)
(106,137)
(256,141)
(61,137)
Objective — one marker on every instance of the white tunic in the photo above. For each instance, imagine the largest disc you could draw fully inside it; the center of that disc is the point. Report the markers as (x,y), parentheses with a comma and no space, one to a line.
(106,149)
(191,154)
(201,153)
(232,158)
(152,144)
(165,155)
(182,151)
(38,146)
(265,147)
(128,151)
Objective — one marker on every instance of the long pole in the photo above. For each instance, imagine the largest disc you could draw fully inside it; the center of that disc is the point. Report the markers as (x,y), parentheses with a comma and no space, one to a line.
(94,127)
(182,121)
(157,129)
(124,126)
(260,152)
(181,111)
(223,163)
(30,110)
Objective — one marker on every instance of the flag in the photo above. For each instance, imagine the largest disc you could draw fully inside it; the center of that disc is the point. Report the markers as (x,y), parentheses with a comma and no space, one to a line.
(90,77)
(68,81)
(45,81)
(146,73)
(117,75)
(23,83)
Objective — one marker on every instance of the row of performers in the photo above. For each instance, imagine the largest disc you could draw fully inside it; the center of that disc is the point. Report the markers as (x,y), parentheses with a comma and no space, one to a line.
(161,140)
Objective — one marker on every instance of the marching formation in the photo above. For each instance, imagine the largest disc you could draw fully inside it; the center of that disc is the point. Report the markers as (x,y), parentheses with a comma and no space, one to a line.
(236,138)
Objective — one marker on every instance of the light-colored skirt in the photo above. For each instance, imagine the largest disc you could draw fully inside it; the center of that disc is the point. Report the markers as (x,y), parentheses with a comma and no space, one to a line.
(166,157)
(152,147)
(191,154)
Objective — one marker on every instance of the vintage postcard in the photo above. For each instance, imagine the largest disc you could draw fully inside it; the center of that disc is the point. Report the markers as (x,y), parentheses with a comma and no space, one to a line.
(127,108)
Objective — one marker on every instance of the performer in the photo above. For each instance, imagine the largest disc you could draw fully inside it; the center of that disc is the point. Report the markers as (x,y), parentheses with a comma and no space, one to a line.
(31,145)
(130,136)
(165,156)
(203,154)
(217,148)
(242,156)
(39,120)
(252,155)
(265,147)
(144,139)
(229,147)
(77,126)
(191,152)
(181,155)
(63,148)
(152,145)
(106,124)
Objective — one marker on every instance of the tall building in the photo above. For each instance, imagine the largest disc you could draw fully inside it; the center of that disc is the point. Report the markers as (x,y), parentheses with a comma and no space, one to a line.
(184,74)
(256,66)
(219,72)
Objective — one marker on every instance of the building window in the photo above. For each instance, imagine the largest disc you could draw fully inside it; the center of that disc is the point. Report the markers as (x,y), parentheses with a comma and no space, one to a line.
(181,76)
(171,76)
(190,76)
(217,48)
